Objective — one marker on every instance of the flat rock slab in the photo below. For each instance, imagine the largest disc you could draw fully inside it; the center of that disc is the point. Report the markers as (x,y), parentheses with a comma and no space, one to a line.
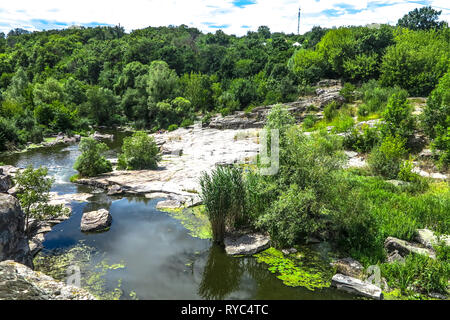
(95,221)
(404,248)
(246,244)
(356,286)
(169,204)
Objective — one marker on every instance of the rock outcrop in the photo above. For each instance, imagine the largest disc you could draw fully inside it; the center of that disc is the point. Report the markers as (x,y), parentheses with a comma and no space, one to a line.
(18,282)
(327,92)
(246,243)
(95,221)
(404,248)
(427,238)
(349,267)
(356,286)
(13,240)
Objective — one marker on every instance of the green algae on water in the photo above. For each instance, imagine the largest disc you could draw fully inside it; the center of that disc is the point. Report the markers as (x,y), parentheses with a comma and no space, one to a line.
(303,269)
(193,219)
(93,274)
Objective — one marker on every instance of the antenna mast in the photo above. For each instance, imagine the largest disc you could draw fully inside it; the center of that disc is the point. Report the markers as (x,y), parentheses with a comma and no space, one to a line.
(298,26)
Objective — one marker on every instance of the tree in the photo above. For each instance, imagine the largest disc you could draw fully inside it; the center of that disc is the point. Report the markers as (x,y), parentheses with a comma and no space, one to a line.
(162,82)
(91,162)
(139,152)
(33,187)
(424,18)
(398,116)
(417,61)
(100,105)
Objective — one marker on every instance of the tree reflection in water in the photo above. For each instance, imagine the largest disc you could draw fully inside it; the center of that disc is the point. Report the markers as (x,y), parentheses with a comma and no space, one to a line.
(221,275)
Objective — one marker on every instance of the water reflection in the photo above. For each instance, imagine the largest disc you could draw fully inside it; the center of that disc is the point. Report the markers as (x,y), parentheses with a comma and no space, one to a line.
(221,275)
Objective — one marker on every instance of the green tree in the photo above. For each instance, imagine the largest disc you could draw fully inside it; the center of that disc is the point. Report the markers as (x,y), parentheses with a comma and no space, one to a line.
(162,82)
(139,152)
(424,18)
(91,161)
(33,187)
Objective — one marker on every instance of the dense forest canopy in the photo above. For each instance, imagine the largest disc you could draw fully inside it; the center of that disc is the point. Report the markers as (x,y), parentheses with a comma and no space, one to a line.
(67,80)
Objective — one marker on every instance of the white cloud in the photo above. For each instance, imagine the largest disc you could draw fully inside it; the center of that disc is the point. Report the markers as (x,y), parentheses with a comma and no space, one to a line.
(279,15)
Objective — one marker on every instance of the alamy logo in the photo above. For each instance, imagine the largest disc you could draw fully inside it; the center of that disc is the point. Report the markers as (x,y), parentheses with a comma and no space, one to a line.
(270,162)
(73,276)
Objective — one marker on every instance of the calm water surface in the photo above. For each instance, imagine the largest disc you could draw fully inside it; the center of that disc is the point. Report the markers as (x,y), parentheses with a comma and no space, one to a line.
(155,255)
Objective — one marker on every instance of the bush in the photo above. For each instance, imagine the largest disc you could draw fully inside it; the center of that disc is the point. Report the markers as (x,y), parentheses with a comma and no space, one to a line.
(222,193)
(398,117)
(172,127)
(91,162)
(385,160)
(347,92)
(330,111)
(436,120)
(419,273)
(292,217)
(139,152)
(363,140)
(375,97)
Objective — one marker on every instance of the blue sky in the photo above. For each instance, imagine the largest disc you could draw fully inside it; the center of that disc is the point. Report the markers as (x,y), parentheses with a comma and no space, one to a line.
(233,16)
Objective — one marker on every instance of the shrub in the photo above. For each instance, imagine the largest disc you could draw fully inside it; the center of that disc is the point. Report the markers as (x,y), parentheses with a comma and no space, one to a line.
(385,159)
(172,127)
(398,117)
(375,97)
(362,140)
(91,162)
(309,122)
(222,193)
(418,273)
(292,217)
(330,111)
(139,152)
(436,120)
(347,92)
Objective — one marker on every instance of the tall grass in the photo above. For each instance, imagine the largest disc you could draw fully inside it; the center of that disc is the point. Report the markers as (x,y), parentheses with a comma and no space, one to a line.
(223,195)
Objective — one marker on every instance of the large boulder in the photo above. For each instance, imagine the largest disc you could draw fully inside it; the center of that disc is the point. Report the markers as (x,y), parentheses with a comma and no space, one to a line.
(404,248)
(356,286)
(18,282)
(246,243)
(349,267)
(95,221)
(6,183)
(13,240)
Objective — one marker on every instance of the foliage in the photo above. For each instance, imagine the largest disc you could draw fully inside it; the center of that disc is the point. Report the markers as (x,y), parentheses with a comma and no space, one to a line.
(362,139)
(419,273)
(398,119)
(33,187)
(436,119)
(424,18)
(385,159)
(416,61)
(91,162)
(222,193)
(139,152)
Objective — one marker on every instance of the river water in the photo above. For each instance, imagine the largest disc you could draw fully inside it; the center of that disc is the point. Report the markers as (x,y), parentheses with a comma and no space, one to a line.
(146,254)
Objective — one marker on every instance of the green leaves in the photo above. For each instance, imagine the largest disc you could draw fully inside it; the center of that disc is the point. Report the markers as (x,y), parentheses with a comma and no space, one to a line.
(91,162)
(139,152)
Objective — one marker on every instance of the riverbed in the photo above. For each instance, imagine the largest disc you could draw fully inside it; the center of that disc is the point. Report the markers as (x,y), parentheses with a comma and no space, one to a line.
(146,254)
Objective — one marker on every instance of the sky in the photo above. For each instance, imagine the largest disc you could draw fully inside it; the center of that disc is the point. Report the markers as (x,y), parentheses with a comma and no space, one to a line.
(232,16)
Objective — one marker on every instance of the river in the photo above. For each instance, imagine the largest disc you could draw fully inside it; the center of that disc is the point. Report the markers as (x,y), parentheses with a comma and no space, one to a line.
(146,254)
